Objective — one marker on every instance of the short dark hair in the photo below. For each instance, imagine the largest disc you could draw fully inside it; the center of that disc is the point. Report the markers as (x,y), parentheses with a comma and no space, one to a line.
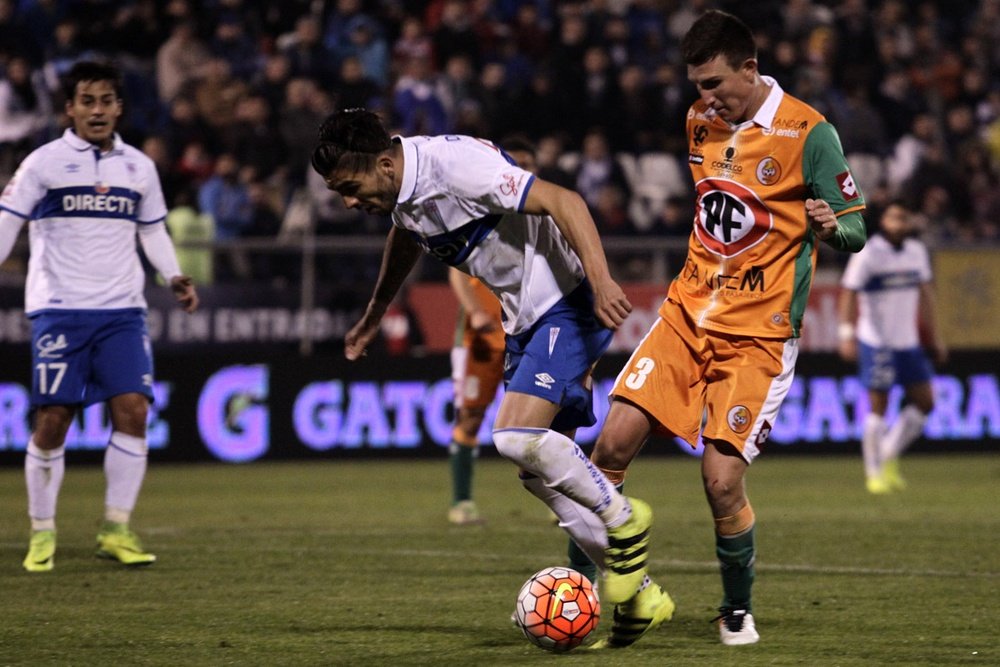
(718,33)
(352,139)
(92,70)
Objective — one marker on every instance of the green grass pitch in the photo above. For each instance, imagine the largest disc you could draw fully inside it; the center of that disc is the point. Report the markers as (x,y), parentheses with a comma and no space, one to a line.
(353,563)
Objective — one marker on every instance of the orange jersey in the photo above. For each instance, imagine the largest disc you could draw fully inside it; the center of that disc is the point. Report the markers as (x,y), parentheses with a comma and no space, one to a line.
(752,253)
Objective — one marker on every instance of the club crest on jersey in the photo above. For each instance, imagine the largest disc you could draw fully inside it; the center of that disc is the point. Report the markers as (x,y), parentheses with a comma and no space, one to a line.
(739,418)
(730,217)
(102,188)
(768,171)
(50,347)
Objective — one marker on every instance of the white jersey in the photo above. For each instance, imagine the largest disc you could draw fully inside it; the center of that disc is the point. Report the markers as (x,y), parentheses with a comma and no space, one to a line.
(887,280)
(461,198)
(84,206)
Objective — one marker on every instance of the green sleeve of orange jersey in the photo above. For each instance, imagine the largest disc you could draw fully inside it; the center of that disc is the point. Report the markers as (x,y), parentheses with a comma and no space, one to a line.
(828,177)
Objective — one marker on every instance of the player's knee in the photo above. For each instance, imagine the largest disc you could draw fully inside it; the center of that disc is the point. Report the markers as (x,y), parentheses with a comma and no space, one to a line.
(519,444)
(51,425)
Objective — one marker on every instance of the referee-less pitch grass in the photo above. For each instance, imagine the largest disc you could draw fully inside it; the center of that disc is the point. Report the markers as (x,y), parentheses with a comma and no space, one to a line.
(353,563)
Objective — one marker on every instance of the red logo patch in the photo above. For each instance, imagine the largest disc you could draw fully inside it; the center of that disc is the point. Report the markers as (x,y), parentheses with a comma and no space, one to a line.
(509,186)
(847,186)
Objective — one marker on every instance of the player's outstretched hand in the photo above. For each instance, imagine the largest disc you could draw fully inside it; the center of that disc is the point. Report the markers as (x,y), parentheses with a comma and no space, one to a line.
(184,291)
(822,219)
(610,304)
(361,334)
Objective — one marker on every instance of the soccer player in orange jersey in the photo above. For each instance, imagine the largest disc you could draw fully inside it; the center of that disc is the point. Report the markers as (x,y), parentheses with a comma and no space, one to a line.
(771,183)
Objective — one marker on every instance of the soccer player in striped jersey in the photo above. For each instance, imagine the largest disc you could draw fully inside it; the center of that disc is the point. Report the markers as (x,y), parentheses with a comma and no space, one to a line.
(887,290)
(87,196)
(771,183)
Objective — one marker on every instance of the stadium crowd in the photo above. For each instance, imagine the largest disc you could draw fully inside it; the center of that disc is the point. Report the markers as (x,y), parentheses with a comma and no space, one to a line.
(226,97)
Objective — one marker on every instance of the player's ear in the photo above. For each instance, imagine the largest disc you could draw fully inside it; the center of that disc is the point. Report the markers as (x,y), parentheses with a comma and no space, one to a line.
(749,68)
(386,165)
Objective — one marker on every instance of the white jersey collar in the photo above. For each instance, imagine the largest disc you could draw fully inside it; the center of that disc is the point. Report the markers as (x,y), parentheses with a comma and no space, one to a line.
(767,111)
(410,167)
(81,144)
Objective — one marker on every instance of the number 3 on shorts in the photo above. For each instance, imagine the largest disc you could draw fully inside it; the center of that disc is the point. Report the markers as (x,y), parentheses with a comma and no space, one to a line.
(59,368)
(643,367)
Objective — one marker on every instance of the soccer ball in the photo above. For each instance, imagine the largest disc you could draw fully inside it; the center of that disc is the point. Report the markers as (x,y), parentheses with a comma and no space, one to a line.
(557,608)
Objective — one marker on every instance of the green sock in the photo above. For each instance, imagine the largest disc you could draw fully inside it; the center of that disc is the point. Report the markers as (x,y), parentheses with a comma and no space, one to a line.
(580,562)
(736,558)
(461,458)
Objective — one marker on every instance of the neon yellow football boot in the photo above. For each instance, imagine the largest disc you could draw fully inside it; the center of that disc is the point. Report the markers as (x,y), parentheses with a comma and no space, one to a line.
(41,551)
(625,559)
(891,476)
(117,542)
(634,619)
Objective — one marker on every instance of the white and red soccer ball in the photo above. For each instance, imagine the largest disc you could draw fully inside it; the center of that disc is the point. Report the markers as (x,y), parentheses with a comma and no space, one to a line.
(557,608)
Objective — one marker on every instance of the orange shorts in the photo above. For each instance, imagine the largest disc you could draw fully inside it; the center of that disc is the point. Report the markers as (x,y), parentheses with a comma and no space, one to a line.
(476,374)
(691,380)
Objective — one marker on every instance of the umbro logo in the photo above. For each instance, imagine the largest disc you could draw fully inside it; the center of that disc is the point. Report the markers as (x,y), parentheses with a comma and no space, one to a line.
(72,168)
(544,380)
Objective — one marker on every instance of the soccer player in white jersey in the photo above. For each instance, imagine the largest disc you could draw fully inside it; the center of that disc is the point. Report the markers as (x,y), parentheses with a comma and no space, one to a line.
(87,196)
(535,245)
(887,289)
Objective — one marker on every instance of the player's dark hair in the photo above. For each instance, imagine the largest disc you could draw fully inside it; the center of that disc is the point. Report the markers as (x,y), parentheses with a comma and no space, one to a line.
(351,139)
(92,70)
(718,33)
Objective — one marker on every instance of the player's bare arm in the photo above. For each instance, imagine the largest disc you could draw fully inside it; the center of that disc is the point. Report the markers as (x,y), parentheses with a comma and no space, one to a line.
(571,216)
(401,253)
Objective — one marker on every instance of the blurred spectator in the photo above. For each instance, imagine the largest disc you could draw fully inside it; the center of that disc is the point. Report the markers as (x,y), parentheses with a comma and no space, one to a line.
(271,81)
(226,199)
(547,153)
(255,141)
(305,51)
(231,43)
(26,117)
(413,42)
(366,44)
(910,149)
(418,105)
(185,126)
(177,188)
(355,89)
(298,124)
(186,227)
(454,35)
(599,170)
(179,60)
(216,94)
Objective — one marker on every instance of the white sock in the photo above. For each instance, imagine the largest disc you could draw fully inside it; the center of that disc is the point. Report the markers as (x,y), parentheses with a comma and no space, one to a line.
(124,469)
(563,466)
(585,527)
(43,475)
(908,427)
(871,439)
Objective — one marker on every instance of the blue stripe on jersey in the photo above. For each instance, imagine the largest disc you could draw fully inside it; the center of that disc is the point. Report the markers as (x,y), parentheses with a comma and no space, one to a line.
(17,213)
(882,282)
(455,246)
(84,201)
(524,193)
